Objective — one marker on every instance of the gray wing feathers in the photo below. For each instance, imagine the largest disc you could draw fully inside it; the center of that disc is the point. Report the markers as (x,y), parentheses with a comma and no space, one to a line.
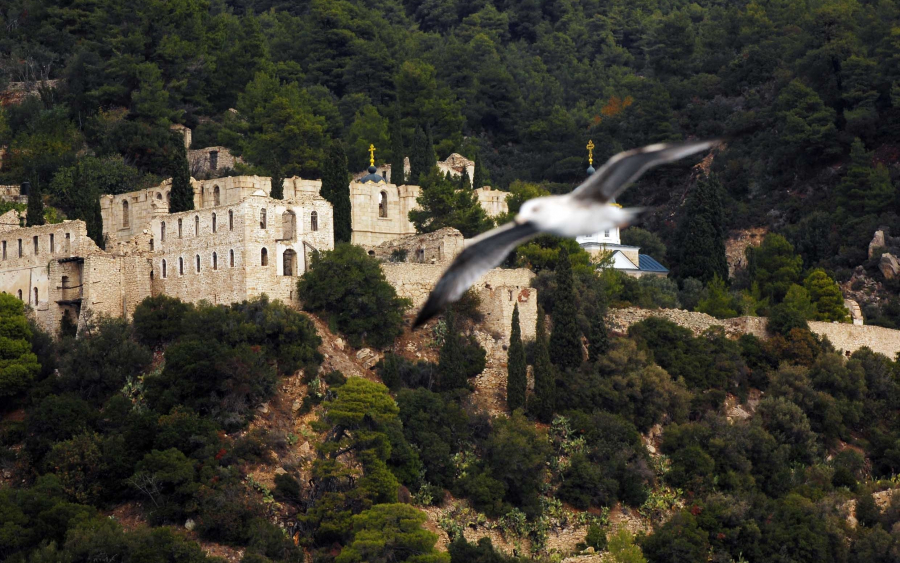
(484,252)
(626,167)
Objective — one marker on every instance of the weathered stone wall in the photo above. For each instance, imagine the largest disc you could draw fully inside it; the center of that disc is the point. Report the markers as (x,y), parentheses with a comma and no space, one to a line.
(201,160)
(500,289)
(492,201)
(843,336)
(370,228)
(12,194)
(439,247)
(456,164)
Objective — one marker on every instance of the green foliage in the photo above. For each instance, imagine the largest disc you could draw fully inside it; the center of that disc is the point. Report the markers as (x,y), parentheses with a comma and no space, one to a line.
(774,266)
(622,549)
(391,532)
(565,338)
(181,197)
(421,158)
(827,297)
(516,381)
(348,286)
(277,190)
(461,357)
(442,204)
(598,342)
(35,215)
(649,243)
(543,403)
(718,302)
(18,364)
(159,319)
(699,247)
(336,189)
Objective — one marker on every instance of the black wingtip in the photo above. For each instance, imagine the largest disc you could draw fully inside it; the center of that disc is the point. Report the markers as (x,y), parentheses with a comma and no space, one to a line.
(428,310)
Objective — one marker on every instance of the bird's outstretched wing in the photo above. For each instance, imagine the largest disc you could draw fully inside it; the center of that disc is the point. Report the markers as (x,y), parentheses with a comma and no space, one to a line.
(626,167)
(485,251)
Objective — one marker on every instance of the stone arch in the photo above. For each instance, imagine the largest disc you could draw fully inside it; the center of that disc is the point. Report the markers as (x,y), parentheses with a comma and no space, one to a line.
(314,221)
(264,257)
(19,295)
(126,219)
(289,259)
(382,204)
(216,196)
(158,195)
(289,225)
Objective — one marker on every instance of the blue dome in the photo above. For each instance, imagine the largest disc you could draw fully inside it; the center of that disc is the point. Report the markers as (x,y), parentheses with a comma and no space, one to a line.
(372,176)
(590,170)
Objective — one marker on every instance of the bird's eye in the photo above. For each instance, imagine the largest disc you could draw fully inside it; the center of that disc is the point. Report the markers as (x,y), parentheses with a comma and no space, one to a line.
(536,208)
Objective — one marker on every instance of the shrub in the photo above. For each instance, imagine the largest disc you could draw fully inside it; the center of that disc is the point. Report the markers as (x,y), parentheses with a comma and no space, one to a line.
(158,320)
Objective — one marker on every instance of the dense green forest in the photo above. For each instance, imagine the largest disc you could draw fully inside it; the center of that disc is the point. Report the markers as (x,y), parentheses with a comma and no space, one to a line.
(157,413)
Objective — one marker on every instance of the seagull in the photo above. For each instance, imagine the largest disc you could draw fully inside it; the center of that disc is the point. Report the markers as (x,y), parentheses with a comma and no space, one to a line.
(585,210)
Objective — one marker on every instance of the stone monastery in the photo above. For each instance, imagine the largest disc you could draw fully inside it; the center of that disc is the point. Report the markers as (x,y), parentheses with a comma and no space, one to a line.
(237,243)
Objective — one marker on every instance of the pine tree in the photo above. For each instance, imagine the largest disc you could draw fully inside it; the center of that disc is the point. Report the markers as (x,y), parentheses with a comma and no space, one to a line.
(336,189)
(35,214)
(864,189)
(543,402)
(419,165)
(430,158)
(450,366)
(699,249)
(598,343)
(480,179)
(516,370)
(464,183)
(182,194)
(397,151)
(277,191)
(565,339)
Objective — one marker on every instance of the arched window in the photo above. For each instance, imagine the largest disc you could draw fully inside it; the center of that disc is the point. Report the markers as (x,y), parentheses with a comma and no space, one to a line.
(230,220)
(214,222)
(382,204)
(180,266)
(196,225)
(231,258)
(263,257)
(125,218)
(162,232)
(215,261)
(197,260)
(158,195)
(216,196)
(313,221)
(20,295)
(35,297)
(169,197)
(290,261)
(164,269)
(288,225)
(262,218)
(179,228)
(151,245)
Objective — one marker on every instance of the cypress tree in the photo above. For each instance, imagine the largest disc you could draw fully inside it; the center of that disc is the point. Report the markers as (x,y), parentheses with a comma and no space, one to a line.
(430,158)
(598,344)
(543,402)
(182,194)
(397,151)
(481,179)
(277,191)
(35,213)
(336,189)
(418,160)
(94,222)
(464,183)
(565,339)
(516,368)
(450,366)
(699,249)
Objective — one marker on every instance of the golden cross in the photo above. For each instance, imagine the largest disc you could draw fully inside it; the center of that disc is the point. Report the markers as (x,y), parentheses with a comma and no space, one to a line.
(590,148)
(371,155)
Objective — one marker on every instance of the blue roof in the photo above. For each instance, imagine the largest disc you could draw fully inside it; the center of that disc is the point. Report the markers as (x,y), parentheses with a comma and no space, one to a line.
(648,264)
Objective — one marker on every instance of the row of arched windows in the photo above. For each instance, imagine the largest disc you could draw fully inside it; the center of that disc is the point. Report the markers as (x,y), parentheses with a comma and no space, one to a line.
(19,294)
(289,262)
(214,223)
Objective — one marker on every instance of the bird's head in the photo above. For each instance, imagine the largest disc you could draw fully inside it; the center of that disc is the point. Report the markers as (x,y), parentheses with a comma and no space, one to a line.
(534,208)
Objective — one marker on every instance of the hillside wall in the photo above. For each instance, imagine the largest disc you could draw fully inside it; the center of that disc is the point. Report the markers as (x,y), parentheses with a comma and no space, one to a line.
(843,336)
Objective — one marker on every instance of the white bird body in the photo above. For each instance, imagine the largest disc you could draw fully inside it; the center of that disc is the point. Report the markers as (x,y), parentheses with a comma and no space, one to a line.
(585,211)
(561,215)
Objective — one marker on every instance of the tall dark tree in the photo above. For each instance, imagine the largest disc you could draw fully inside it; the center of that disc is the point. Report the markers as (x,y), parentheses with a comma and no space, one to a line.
(182,194)
(419,163)
(543,402)
(398,152)
(699,249)
(864,189)
(35,214)
(451,366)
(598,342)
(277,191)
(481,179)
(336,189)
(516,368)
(565,339)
